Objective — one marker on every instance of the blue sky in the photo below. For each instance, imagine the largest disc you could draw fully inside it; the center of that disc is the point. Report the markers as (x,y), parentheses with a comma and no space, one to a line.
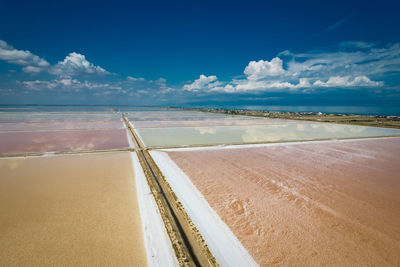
(200,52)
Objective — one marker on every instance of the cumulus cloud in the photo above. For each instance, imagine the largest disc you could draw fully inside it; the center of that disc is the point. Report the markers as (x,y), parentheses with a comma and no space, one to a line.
(244,85)
(249,85)
(73,64)
(347,81)
(38,85)
(353,64)
(256,70)
(75,73)
(69,84)
(76,64)
(350,64)
(29,61)
(202,83)
(135,87)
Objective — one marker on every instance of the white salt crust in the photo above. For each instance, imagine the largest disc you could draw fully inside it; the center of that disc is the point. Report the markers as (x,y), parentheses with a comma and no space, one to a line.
(224,245)
(157,243)
(218,147)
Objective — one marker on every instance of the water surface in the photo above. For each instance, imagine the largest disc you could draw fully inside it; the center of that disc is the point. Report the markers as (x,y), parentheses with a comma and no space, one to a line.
(186,136)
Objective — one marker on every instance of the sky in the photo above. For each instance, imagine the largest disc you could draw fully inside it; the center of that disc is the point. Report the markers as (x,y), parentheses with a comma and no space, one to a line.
(216,53)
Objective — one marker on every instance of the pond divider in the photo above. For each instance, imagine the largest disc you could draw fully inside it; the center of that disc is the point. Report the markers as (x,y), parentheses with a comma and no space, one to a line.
(189,245)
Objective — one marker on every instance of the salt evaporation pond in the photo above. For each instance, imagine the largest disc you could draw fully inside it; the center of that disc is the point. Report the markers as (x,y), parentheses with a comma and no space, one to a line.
(57,141)
(6,117)
(70,210)
(176,115)
(213,122)
(61,125)
(328,203)
(28,119)
(187,136)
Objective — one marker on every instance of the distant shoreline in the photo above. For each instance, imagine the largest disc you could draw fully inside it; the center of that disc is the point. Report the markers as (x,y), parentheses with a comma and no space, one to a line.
(368,110)
(385,121)
(363,120)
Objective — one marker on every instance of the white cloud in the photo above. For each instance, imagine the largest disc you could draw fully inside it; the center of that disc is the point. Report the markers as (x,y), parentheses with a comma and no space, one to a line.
(347,81)
(75,73)
(133,79)
(244,85)
(121,87)
(353,65)
(250,85)
(76,64)
(257,70)
(356,59)
(73,64)
(38,85)
(204,82)
(68,84)
(31,62)
(303,83)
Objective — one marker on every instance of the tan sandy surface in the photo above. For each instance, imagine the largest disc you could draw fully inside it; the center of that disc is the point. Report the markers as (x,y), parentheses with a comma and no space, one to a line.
(70,210)
(77,140)
(333,203)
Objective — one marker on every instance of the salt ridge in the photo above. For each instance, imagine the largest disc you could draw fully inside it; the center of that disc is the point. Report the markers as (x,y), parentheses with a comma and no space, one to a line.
(224,245)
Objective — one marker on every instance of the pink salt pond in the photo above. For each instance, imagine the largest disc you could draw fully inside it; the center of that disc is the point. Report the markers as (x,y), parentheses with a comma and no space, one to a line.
(57,141)
(60,125)
(312,204)
(56,119)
